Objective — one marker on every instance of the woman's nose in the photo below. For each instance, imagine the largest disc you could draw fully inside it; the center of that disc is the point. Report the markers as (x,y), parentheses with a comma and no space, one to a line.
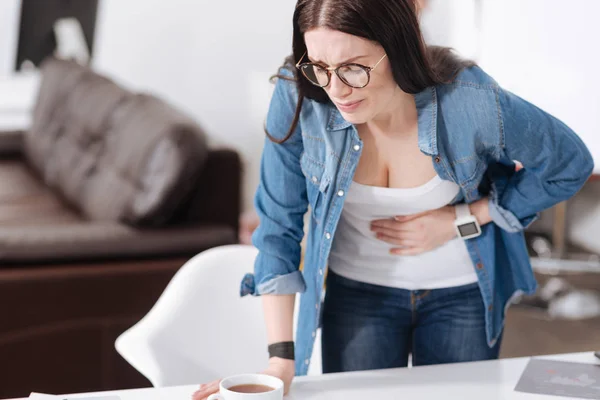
(337,88)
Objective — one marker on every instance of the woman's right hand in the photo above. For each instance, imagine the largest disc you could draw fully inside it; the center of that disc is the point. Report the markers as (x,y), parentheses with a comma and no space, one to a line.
(278,367)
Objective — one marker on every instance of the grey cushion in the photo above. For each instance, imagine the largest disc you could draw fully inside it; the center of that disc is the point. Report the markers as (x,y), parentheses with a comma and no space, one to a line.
(113,155)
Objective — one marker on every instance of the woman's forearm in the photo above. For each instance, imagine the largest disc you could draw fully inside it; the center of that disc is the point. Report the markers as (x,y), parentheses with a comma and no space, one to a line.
(279,317)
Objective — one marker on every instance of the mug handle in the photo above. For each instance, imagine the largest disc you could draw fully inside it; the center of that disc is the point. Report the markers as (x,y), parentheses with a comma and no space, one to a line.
(215,396)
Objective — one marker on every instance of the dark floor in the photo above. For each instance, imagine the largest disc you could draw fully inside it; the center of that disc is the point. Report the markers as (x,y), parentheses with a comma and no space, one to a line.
(529,331)
(529,334)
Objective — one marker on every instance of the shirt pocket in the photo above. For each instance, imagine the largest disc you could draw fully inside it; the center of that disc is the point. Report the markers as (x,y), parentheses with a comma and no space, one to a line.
(317,184)
(469,173)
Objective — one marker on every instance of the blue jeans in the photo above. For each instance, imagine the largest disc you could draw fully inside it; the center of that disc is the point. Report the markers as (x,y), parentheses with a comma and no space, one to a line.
(367,326)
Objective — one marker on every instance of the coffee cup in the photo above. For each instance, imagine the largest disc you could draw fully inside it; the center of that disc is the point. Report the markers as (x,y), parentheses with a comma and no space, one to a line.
(249,386)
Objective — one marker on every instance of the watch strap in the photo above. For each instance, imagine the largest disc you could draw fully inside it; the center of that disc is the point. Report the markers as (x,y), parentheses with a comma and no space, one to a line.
(283,350)
(462,210)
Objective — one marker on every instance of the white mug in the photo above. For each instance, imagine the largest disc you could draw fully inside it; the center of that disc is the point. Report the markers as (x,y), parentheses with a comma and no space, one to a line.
(249,379)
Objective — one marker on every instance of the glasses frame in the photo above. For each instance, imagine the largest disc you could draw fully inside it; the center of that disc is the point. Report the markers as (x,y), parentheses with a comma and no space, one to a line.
(300,65)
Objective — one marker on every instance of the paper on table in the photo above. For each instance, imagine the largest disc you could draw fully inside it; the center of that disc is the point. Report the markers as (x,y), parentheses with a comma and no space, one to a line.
(560,378)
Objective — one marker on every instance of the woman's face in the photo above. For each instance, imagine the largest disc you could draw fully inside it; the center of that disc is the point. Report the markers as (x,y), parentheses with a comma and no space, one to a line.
(332,48)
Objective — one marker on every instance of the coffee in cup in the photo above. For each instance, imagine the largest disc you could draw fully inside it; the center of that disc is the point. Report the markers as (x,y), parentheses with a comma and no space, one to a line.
(251,388)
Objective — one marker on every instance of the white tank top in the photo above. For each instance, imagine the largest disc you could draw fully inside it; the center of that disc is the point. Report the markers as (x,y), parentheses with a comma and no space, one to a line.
(357,254)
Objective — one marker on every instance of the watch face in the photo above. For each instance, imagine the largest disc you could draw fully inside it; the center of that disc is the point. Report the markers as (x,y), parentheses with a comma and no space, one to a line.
(468,229)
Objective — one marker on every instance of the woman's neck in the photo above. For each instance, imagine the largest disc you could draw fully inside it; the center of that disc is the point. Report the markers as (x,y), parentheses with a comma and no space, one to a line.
(398,118)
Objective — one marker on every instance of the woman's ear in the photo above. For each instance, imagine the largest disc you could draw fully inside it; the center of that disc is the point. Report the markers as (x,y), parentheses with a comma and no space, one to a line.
(420,5)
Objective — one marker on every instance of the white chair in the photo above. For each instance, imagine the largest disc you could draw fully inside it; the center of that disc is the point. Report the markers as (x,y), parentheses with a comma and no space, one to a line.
(200,329)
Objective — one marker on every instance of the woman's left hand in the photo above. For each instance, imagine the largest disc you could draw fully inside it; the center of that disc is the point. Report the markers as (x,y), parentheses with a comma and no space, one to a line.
(419,233)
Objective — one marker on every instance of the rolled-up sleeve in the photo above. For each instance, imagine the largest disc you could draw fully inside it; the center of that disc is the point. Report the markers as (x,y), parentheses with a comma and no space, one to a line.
(280,202)
(556,163)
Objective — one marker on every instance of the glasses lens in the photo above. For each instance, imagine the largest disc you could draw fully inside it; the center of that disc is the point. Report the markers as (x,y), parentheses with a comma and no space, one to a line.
(354,75)
(316,75)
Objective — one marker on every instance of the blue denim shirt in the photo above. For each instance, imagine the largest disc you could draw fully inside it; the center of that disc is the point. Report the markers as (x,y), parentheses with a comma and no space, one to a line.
(471,128)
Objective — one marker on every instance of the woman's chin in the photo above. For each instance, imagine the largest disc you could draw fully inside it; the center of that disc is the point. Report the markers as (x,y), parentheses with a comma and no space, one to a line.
(354,118)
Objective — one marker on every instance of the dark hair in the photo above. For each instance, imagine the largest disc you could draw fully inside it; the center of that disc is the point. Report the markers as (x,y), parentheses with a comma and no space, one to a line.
(393,24)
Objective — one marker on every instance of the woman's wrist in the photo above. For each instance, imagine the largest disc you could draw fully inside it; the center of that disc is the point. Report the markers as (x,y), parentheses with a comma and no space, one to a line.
(481,211)
(283,364)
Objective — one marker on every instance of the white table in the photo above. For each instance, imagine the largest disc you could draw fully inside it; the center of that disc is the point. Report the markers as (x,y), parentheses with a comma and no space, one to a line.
(478,380)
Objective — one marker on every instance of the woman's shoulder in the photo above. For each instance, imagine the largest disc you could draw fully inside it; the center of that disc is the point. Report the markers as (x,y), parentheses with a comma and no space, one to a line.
(469,105)
(285,79)
(474,77)
(471,88)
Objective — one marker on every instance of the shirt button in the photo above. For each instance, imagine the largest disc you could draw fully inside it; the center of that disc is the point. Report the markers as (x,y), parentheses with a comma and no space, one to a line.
(314,179)
(317,306)
(438,159)
(320,272)
(356,147)
(328,235)
(307,361)
(491,308)
(479,266)
(314,334)
(341,193)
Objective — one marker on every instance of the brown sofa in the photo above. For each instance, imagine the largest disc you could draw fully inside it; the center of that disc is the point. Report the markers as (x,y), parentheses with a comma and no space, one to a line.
(109,195)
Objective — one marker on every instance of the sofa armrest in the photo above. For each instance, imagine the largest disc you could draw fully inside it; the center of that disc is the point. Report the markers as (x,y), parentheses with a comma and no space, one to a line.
(106,240)
(216,199)
(11,143)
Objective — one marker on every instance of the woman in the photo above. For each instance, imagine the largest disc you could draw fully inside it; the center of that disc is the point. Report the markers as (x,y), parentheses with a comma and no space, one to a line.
(410,160)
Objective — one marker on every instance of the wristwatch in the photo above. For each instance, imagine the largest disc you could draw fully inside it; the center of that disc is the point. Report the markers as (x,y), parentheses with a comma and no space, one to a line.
(466,224)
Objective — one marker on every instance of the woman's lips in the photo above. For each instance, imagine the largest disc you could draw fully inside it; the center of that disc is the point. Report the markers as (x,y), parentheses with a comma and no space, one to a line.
(350,106)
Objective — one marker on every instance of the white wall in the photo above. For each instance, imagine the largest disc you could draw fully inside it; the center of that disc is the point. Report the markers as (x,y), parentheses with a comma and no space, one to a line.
(211,59)
(452,23)
(10,12)
(547,52)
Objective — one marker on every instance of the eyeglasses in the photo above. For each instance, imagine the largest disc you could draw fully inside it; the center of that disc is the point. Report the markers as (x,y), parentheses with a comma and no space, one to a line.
(354,75)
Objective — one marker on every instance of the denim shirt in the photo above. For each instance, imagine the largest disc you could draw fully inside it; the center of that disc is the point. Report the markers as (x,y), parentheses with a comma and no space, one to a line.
(472,129)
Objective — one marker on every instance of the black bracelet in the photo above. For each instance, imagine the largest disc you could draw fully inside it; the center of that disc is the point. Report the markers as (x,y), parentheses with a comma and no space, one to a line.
(283,350)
